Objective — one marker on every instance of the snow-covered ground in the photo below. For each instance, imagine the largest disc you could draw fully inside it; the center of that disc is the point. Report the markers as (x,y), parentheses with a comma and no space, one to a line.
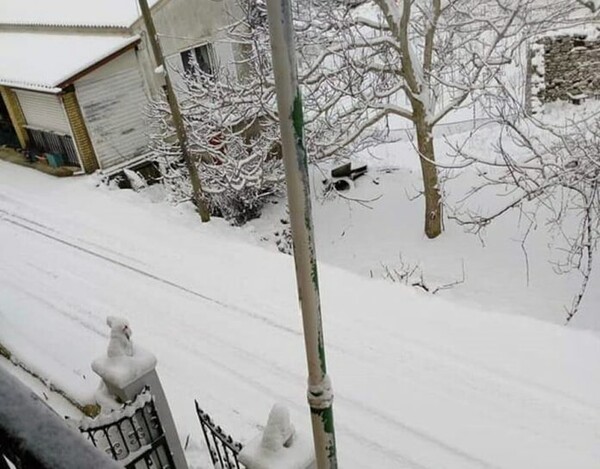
(420,381)
(376,230)
(60,405)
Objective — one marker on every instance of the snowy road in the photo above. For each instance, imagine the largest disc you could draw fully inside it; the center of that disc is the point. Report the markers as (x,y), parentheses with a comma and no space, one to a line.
(419,382)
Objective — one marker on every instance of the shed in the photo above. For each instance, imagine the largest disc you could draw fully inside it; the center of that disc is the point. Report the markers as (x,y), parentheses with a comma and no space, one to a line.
(75,75)
(79,95)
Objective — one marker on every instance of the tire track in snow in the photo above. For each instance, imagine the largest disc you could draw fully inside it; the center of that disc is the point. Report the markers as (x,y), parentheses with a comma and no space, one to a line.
(157,278)
(257,385)
(52,306)
(5,213)
(461,361)
(358,406)
(222,366)
(365,409)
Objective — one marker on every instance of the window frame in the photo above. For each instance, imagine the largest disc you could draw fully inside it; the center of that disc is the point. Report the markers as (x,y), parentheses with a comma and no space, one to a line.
(194,53)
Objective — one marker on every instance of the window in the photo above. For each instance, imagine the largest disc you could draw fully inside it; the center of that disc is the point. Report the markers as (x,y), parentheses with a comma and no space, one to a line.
(201,55)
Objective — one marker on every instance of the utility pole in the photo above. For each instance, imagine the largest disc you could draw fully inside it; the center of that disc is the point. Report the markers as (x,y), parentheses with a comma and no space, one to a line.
(199,201)
(289,103)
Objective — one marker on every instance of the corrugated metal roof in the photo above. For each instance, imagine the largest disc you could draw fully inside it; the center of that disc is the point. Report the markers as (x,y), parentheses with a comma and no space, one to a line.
(92,13)
(42,61)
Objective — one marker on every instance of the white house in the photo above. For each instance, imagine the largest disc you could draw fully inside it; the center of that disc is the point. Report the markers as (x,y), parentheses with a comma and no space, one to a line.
(76,75)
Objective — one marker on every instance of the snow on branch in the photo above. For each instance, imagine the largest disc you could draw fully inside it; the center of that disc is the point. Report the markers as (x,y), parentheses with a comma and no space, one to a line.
(550,171)
(232,127)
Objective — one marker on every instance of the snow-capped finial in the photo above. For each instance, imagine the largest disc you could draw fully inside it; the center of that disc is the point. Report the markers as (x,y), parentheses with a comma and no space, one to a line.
(279,431)
(120,343)
(279,445)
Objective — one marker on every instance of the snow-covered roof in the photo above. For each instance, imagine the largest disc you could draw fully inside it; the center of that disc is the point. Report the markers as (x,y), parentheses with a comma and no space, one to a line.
(93,13)
(42,61)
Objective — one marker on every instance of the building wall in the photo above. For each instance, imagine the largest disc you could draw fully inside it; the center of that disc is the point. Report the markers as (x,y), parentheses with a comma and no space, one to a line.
(16,114)
(113,100)
(182,25)
(565,66)
(80,132)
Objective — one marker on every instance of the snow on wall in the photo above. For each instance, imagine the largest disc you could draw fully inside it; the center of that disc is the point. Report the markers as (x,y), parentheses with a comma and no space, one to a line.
(537,76)
(124,411)
(123,370)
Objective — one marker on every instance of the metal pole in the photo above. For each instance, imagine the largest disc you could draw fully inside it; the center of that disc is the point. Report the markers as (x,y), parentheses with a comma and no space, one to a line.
(175,113)
(289,103)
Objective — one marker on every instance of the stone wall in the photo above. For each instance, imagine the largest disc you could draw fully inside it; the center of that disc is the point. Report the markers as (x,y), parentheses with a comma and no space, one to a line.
(565,66)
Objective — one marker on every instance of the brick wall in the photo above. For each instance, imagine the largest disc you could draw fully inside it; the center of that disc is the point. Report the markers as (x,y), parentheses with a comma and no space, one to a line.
(80,133)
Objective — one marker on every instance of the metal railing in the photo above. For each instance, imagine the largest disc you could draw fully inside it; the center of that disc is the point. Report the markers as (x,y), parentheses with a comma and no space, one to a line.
(223,449)
(132,436)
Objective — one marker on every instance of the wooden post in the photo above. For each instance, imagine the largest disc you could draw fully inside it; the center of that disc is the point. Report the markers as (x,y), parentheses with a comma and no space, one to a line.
(199,201)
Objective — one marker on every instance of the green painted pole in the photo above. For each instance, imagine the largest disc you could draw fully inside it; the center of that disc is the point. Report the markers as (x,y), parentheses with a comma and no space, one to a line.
(289,103)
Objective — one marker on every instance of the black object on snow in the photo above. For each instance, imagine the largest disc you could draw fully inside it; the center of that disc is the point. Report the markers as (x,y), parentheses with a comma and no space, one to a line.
(346,171)
(341,185)
(341,171)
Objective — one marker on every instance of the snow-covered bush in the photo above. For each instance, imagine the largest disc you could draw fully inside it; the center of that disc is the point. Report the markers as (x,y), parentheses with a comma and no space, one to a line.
(363,68)
(232,131)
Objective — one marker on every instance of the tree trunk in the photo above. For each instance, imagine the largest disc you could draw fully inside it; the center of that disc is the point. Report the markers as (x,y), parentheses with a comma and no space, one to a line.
(433,205)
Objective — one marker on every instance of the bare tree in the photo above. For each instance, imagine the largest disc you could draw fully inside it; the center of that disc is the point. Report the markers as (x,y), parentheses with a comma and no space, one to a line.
(545,167)
(366,65)
(232,130)
(416,60)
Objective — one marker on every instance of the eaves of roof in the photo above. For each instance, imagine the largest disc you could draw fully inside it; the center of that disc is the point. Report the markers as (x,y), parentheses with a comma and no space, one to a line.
(95,28)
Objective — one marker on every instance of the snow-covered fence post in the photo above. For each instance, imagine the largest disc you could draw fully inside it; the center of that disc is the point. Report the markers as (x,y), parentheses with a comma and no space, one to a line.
(125,371)
(279,446)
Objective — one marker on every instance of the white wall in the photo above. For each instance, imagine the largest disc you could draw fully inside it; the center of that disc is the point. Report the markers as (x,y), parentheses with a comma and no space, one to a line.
(113,101)
(182,25)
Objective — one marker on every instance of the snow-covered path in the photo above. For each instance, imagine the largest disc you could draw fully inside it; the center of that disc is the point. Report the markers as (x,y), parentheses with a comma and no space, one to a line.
(419,382)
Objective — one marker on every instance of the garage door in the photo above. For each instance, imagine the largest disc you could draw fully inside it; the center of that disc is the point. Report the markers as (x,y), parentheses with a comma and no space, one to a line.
(44,111)
(113,101)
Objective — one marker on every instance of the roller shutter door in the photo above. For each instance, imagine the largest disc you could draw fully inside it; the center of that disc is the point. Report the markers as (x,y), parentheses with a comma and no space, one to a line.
(43,111)
(113,103)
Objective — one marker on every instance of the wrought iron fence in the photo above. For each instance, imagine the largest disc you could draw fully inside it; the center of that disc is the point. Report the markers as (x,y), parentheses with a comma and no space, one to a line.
(132,436)
(223,449)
